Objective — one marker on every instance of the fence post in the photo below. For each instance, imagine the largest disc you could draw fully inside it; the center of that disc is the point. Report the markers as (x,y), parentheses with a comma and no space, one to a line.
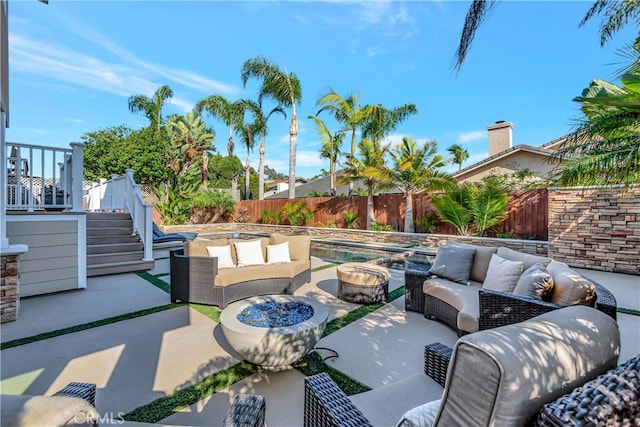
(77,167)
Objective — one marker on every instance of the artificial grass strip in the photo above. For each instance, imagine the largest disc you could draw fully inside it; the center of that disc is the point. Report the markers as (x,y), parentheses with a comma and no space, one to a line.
(210,311)
(628,311)
(165,406)
(162,275)
(312,364)
(85,326)
(155,281)
(324,267)
(360,312)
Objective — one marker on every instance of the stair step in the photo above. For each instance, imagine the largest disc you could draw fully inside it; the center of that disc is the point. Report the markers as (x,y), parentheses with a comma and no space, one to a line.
(107,216)
(97,240)
(108,231)
(118,267)
(108,223)
(114,248)
(114,257)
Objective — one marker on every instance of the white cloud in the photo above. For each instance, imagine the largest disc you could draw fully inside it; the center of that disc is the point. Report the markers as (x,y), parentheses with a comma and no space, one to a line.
(309,158)
(128,76)
(471,136)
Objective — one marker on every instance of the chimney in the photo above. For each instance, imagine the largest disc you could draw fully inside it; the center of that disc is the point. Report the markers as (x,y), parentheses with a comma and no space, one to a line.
(499,137)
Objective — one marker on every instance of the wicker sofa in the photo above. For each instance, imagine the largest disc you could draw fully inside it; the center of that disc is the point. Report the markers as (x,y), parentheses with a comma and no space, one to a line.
(473,305)
(530,373)
(196,276)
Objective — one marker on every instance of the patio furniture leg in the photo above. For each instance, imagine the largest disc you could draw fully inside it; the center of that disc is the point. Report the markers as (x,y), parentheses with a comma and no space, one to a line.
(436,361)
(86,391)
(247,410)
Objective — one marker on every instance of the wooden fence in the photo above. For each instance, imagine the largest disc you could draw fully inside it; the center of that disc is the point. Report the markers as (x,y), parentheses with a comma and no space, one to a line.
(526,218)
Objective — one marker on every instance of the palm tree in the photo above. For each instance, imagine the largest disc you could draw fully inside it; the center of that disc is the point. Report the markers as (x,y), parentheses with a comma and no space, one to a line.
(416,169)
(472,206)
(228,112)
(346,111)
(247,133)
(617,13)
(370,167)
(260,124)
(193,141)
(330,149)
(151,107)
(283,88)
(605,149)
(458,155)
(381,121)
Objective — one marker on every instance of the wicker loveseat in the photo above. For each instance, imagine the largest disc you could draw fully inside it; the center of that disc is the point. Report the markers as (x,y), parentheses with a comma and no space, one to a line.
(197,277)
(471,304)
(555,369)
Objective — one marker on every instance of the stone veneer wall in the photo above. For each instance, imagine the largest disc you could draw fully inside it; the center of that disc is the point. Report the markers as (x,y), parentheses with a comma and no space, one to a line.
(9,288)
(400,239)
(596,228)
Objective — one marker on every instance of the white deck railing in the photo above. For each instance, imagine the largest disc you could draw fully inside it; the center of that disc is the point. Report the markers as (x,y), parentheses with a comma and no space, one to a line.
(40,177)
(122,194)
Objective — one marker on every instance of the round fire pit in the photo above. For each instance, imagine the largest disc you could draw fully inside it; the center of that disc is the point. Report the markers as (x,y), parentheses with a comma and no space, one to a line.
(273,330)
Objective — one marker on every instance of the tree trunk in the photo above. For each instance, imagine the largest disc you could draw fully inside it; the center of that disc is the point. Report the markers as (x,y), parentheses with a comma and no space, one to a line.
(230,142)
(247,176)
(293,138)
(332,175)
(261,170)
(371,218)
(205,168)
(408,213)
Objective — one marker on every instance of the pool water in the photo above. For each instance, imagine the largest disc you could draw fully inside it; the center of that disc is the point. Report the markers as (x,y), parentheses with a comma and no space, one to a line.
(275,314)
(342,252)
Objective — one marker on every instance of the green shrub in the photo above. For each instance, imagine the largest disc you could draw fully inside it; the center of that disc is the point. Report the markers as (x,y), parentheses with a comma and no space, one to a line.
(351,219)
(381,227)
(270,217)
(427,222)
(296,213)
(207,206)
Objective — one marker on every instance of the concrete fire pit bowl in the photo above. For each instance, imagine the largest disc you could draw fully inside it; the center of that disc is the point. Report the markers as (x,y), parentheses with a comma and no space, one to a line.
(273,330)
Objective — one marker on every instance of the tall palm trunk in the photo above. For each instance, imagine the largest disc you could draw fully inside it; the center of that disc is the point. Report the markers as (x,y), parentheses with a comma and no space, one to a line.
(293,140)
(332,175)
(230,141)
(371,218)
(205,168)
(408,213)
(353,153)
(247,166)
(261,169)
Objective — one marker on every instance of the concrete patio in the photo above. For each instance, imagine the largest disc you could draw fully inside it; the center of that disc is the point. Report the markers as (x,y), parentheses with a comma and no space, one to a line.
(136,361)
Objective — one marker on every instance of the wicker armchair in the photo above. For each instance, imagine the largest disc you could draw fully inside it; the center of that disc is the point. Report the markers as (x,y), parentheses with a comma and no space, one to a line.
(499,308)
(479,382)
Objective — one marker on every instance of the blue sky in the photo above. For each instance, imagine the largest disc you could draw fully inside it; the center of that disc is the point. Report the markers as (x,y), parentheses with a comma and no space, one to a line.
(73,65)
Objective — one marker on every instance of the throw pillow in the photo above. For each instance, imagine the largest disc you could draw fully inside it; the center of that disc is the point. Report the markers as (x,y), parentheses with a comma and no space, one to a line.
(453,262)
(277,254)
(481,261)
(569,287)
(527,259)
(502,274)
(223,253)
(535,282)
(299,246)
(249,253)
(420,416)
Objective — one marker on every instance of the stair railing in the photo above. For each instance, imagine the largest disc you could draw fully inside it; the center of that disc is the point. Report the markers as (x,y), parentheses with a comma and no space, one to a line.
(122,194)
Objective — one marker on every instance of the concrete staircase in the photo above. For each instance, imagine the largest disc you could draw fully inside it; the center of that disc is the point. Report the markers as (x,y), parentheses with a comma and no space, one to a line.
(111,248)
